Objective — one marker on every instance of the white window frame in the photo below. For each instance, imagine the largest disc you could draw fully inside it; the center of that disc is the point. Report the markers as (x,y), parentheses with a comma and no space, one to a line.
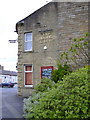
(28,41)
(28,72)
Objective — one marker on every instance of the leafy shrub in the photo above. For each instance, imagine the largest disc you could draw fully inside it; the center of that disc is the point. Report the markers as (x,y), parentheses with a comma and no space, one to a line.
(70,99)
(58,74)
(45,85)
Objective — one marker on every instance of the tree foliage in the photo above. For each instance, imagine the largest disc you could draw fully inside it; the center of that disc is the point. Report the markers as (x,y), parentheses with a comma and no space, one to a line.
(78,54)
(61,70)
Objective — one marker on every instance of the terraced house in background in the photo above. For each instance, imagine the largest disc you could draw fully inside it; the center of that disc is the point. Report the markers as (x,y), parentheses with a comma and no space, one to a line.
(7,76)
(43,35)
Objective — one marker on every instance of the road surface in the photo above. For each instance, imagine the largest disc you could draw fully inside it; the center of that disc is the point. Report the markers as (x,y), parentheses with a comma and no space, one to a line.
(11,105)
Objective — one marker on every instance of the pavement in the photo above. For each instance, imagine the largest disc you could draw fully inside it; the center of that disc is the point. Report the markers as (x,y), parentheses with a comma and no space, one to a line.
(11,105)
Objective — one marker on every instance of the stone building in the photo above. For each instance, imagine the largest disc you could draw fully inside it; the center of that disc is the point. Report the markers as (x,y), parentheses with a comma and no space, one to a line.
(43,35)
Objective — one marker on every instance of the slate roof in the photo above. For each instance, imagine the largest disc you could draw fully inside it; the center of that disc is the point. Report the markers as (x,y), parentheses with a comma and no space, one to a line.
(6,72)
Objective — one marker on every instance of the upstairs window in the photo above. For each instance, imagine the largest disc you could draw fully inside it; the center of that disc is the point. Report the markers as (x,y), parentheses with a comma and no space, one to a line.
(28,42)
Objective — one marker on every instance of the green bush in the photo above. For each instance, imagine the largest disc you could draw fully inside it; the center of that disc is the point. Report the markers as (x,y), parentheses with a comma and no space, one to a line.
(68,98)
(58,74)
(45,85)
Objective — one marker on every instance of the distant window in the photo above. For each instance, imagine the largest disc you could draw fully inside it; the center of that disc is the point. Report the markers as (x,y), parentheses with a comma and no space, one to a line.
(28,42)
(28,75)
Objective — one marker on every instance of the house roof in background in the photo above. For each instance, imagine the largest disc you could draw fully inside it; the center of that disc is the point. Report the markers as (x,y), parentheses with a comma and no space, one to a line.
(6,72)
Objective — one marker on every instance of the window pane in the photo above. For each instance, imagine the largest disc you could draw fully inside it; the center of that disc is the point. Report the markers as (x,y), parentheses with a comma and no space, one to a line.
(28,42)
(28,78)
(28,37)
(28,75)
(28,45)
(28,68)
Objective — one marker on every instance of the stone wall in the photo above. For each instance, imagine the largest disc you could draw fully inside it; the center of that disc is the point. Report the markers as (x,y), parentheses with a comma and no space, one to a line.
(72,23)
(53,26)
(43,25)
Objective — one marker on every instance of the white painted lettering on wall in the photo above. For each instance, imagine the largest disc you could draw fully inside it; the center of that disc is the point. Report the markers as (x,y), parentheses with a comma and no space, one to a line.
(45,37)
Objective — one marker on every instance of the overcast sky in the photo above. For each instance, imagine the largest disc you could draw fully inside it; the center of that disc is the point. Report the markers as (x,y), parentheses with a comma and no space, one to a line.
(12,11)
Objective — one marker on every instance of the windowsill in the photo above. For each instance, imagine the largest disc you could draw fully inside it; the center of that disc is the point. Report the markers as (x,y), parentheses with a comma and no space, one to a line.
(29,86)
(28,51)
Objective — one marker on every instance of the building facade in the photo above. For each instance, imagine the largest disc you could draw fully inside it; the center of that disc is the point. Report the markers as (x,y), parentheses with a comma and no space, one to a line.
(42,36)
(7,76)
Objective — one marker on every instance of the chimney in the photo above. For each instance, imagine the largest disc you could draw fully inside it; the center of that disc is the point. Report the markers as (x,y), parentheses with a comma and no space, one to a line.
(1,67)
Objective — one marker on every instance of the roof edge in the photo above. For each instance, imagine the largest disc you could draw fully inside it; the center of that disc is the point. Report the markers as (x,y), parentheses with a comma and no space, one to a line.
(22,21)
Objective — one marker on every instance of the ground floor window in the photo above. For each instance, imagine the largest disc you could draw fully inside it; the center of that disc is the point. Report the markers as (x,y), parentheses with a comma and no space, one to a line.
(46,71)
(28,75)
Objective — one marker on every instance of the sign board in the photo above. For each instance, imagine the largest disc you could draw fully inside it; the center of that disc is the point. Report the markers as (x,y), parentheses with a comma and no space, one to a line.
(46,71)
(12,41)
